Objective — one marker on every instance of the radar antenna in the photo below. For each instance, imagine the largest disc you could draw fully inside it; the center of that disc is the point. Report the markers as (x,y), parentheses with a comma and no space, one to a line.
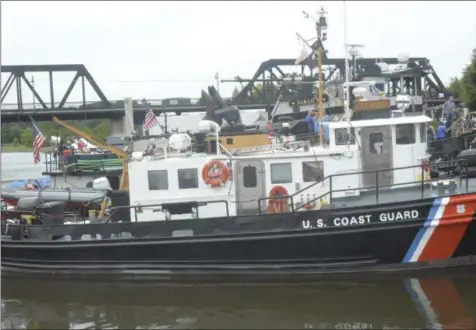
(353,50)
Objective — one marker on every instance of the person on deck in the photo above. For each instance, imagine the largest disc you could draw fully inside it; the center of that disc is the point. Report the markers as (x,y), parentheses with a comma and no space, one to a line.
(325,125)
(310,121)
(448,107)
(441,132)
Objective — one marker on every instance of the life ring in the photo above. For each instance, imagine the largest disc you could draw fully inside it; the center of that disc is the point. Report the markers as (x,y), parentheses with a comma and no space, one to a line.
(278,205)
(215,173)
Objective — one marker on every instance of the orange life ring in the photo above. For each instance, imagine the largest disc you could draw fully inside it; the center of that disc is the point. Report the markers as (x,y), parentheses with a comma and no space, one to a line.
(278,205)
(215,173)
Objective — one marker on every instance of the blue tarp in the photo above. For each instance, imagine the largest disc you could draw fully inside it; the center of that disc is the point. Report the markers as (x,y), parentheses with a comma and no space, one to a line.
(17,184)
(42,181)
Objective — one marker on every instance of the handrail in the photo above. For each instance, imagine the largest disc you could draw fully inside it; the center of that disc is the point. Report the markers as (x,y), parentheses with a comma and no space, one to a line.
(447,166)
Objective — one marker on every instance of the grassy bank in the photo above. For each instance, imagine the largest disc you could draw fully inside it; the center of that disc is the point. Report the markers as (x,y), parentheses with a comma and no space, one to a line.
(20,148)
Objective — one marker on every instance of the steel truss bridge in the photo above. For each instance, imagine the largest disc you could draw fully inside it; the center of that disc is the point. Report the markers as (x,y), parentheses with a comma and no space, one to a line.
(259,92)
(263,86)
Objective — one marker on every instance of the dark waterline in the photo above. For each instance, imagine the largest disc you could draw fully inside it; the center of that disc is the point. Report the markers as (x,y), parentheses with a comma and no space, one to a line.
(439,300)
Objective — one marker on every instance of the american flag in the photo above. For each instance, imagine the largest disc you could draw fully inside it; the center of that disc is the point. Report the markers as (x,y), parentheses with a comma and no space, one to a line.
(38,141)
(150,119)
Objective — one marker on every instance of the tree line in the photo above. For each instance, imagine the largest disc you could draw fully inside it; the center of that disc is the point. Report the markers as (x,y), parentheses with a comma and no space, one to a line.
(22,133)
(464,87)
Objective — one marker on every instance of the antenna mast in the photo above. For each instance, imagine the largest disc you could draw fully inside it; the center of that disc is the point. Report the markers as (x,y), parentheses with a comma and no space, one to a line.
(321,25)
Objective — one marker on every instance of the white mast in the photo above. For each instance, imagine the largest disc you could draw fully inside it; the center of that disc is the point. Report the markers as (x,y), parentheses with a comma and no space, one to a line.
(346,88)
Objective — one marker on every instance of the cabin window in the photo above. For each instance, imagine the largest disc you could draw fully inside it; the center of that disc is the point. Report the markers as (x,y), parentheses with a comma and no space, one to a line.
(405,134)
(423,133)
(281,173)
(342,137)
(312,171)
(158,180)
(376,142)
(187,178)
(250,177)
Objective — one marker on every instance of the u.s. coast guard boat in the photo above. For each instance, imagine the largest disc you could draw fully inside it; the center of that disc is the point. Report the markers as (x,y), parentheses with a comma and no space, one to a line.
(237,202)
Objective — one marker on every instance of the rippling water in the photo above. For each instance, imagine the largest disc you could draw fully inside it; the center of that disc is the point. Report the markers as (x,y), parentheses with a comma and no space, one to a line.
(19,165)
(442,300)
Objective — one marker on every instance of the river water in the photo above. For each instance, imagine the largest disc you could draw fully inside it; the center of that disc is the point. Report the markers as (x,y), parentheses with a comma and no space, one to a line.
(440,299)
(19,165)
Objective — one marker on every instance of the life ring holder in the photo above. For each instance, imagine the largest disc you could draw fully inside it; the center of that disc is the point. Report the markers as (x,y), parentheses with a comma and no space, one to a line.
(278,205)
(218,181)
(310,206)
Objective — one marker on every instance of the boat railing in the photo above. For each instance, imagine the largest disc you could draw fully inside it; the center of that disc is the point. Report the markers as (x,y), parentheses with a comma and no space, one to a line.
(170,208)
(446,167)
(52,162)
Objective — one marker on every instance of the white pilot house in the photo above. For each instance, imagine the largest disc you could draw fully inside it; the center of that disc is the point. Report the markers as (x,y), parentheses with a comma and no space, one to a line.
(198,181)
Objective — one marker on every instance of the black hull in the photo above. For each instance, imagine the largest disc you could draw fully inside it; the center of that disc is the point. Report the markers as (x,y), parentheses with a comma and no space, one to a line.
(442,233)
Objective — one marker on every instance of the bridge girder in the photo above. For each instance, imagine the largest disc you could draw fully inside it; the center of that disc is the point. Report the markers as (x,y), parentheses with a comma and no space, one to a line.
(18,74)
(273,67)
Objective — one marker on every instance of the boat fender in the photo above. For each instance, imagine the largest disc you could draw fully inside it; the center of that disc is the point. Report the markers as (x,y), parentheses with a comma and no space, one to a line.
(215,173)
(278,205)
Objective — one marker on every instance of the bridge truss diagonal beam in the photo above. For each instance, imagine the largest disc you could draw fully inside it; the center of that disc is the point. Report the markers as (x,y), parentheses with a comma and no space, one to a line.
(433,82)
(18,74)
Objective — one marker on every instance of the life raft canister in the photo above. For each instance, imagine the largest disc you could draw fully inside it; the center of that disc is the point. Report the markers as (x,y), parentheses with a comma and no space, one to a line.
(215,173)
(278,205)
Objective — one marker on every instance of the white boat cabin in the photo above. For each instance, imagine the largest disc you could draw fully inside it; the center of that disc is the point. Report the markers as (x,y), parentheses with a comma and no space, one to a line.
(248,168)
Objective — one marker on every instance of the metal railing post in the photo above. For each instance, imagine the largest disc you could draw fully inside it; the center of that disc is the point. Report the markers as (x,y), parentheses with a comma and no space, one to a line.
(422,180)
(376,185)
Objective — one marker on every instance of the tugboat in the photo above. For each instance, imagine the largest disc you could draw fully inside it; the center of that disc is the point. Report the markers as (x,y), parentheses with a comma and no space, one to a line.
(230,201)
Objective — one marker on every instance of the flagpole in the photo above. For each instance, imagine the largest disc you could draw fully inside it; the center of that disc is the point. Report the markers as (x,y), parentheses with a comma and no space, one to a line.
(347,98)
(217,78)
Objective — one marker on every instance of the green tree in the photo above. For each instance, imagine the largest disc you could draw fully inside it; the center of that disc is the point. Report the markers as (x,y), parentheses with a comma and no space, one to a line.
(22,132)
(26,137)
(468,85)
(455,87)
(11,132)
(264,93)
(464,87)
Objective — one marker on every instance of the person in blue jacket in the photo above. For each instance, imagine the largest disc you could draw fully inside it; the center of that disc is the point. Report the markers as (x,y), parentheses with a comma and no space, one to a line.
(310,121)
(325,125)
(441,132)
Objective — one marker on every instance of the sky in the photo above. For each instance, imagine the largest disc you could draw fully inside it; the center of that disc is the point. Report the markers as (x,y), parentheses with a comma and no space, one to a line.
(165,49)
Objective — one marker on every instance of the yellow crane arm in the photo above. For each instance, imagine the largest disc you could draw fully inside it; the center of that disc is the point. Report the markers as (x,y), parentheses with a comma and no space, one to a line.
(92,139)
(124,156)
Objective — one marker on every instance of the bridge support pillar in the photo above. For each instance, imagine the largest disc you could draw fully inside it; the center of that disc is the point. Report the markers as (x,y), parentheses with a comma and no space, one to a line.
(117,126)
(124,125)
(129,116)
